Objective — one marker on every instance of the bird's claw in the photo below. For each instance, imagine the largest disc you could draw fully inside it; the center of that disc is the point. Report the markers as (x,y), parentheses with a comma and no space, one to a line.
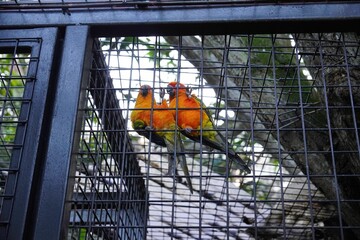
(188,91)
(188,130)
(148,128)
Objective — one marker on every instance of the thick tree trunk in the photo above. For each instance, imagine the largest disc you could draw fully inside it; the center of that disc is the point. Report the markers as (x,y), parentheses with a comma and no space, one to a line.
(252,90)
(338,61)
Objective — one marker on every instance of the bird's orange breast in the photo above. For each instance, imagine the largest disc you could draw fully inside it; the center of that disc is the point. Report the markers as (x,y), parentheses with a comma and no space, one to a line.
(189,113)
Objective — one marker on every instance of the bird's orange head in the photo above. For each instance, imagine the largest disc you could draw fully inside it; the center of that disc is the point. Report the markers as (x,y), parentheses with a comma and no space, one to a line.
(144,96)
(173,87)
(145,90)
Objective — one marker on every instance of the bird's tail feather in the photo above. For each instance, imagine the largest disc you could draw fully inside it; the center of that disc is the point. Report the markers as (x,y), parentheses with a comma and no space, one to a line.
(220,145)
(181,159)
(183,163)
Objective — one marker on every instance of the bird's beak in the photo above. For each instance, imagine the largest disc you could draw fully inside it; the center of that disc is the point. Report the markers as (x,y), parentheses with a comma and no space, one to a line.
(170,90)
(144,91)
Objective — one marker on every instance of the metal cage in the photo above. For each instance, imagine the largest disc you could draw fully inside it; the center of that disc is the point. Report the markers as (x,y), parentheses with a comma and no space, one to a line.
(279,80)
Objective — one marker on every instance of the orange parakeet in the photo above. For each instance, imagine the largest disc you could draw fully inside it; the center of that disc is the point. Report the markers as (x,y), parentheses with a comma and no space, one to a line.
(196,123)
(156,123)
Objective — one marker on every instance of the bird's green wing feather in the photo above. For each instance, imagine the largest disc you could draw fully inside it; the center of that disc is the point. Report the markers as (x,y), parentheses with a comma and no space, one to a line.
(204,108)
(139,124)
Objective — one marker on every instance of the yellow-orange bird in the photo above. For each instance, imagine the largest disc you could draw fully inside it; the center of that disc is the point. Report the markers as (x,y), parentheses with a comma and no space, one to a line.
(196,123)
(156,123)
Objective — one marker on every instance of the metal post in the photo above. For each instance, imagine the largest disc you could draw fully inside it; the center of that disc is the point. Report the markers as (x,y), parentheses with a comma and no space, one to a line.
(52,197)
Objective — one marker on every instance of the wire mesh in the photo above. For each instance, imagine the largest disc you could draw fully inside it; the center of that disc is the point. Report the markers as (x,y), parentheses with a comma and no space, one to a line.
(15,92)
(109,198)
(288,105)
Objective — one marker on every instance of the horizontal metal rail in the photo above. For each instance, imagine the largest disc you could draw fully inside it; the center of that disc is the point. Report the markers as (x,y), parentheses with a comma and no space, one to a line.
(213,19)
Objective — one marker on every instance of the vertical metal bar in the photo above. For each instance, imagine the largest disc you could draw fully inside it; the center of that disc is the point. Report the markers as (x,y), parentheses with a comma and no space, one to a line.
(252,125)
(331,140)
(224,69)
(201,82)
(277,124)
(304,136)
(52,196)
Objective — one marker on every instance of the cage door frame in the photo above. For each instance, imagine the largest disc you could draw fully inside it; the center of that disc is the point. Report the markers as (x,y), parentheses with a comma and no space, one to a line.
(41,43)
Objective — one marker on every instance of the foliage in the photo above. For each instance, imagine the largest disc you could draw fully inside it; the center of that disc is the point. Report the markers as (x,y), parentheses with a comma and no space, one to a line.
(13,69)
(157,51)
(275,58)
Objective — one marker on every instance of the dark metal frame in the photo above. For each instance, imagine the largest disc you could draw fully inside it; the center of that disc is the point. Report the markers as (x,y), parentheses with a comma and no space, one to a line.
(50,140)
(54,182)
(27,180)
(205,19)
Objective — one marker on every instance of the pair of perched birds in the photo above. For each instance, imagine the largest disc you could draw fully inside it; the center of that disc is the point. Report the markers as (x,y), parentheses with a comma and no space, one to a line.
(185,113)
